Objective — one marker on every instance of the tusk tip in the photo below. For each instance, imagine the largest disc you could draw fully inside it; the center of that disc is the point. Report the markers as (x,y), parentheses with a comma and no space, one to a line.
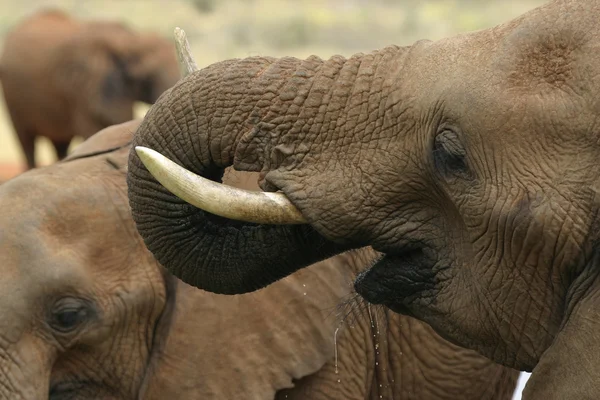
(178,32)
(187,64)
(148,155)
(141,150)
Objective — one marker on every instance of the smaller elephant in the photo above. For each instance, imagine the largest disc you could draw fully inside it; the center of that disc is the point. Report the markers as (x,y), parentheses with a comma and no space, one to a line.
(88,313)
(63,78)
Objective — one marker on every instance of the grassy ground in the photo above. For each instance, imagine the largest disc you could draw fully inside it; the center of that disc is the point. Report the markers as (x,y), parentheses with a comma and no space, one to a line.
(221,29)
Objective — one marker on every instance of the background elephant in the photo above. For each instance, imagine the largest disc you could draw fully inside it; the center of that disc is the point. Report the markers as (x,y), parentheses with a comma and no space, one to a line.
(470,163)
(64,78)
(88,313)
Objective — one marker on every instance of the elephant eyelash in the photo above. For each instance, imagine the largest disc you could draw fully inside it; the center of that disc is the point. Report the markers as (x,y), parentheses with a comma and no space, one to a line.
(68,315)
(450,156)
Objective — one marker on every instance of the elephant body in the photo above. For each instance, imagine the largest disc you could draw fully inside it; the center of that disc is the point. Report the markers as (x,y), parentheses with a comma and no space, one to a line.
(88,313)
(470,163)
(63,78)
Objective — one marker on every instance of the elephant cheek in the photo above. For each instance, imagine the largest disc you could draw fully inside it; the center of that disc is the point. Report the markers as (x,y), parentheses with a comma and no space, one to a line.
(26,375)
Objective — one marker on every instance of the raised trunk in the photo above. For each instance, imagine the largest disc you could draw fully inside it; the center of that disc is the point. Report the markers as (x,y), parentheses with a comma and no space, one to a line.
(252,114)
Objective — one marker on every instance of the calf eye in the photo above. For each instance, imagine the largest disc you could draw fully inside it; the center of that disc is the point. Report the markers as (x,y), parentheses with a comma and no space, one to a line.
(449,155)
(68,314)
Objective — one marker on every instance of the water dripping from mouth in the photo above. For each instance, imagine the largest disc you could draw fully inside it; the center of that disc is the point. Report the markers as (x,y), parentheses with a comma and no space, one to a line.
(335,350)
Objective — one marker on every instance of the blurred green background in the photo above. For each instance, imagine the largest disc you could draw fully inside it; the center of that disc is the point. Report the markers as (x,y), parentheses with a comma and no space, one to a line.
(221,29)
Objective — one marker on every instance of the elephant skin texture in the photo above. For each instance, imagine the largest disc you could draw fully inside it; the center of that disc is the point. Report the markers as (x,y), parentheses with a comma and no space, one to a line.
(470,163)
(89,314)
(63,78)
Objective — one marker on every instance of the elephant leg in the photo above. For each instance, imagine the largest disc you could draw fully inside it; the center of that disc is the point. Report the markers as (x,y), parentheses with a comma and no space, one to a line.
(27,140)
(61,148)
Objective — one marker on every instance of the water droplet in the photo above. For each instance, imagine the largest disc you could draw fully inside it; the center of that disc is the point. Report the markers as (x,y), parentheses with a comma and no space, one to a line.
(335,349)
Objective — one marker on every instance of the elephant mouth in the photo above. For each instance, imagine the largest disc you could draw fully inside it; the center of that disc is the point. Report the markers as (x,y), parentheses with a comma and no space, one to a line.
(397,279)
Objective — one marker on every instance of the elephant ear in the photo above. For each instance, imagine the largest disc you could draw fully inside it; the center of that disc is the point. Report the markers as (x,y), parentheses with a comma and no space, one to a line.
(111,138)
(247,346)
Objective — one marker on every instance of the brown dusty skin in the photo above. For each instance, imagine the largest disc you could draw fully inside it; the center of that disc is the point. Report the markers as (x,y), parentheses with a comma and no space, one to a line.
(146,335)
(470,162)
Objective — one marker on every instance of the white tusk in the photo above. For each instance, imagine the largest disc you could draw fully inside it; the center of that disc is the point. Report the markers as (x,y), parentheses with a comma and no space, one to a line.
(217,198)
(187,65)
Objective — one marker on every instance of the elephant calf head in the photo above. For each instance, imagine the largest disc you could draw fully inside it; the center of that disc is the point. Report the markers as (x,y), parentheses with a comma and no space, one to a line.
(470,162)
(81,296)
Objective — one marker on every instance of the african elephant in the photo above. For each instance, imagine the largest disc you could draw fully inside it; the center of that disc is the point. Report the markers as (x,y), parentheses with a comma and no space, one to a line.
(88,313)
(470,163)
(63,78)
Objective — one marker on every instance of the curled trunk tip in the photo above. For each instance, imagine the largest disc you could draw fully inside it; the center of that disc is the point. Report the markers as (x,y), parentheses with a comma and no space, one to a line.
(216,198)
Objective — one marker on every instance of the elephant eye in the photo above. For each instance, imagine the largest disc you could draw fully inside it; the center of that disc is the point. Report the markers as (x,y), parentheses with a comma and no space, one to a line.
(449,155)
(68,314)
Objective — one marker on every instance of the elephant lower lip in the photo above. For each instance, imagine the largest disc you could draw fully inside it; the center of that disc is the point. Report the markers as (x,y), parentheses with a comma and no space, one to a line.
(396,279)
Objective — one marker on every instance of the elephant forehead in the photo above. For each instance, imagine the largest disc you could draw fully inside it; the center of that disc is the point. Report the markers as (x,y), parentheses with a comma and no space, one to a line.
(63,217)
(531,103)
(35,257)
(547,55)
(51,203)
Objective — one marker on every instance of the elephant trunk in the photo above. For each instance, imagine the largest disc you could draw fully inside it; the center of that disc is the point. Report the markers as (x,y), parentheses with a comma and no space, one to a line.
(247,113)
(24,377)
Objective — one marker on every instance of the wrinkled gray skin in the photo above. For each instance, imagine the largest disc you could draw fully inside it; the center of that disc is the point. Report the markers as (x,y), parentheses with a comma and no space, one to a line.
(87,313)
(470,162)
(63,78)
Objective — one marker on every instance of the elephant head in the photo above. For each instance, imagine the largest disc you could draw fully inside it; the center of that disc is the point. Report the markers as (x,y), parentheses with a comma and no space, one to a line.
(88,313)
(470,163)
(63,78)
(76,323)
(154,67)
(119,66)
